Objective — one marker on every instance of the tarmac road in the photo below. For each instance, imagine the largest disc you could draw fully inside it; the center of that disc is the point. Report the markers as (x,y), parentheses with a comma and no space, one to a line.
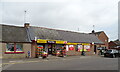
(68,63)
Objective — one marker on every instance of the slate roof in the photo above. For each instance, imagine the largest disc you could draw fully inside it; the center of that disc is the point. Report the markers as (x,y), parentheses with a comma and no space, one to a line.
(54,34)
(98,32)
(13,34)
(22,34)
(117,42)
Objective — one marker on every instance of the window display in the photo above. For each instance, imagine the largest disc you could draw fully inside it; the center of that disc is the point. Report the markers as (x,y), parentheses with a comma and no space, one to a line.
(40,46)
(80,47)
(87,47)
(71,47)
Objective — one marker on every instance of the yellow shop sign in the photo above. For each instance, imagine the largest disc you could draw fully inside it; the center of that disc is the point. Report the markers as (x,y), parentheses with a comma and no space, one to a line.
(41,41)
(85,43)
(72,43)
(61,42)
(46,41)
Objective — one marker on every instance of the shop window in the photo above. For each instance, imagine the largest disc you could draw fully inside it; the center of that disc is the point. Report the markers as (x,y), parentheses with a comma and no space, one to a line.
(14,48)
(80,47)
(87,47)
(67,48)
(71,47)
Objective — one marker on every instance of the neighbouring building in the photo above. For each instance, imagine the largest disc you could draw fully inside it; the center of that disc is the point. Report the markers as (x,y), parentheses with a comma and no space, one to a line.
(114,44)
(102,37)
(14,42)
(18,41)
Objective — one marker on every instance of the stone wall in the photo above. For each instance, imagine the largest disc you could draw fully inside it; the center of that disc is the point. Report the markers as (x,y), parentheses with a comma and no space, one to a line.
(33,50)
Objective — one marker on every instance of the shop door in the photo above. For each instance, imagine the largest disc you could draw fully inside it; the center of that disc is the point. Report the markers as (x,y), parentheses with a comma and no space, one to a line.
(50,49)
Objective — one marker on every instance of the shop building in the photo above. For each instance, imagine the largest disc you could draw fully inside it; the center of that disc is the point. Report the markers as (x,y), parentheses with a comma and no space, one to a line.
(28,41)
(53,39)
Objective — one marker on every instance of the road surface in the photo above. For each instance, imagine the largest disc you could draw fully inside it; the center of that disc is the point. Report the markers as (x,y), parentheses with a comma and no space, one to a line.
(70,63)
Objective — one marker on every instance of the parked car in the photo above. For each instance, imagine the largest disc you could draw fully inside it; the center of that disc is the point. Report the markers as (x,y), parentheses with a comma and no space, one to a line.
(112,53)
(101,48)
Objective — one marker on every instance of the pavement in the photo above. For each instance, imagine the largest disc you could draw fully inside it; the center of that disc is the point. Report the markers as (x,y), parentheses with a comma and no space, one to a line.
(6,62)
(20,60)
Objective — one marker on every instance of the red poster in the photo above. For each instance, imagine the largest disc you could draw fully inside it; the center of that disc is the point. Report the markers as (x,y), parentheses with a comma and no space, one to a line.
(71,47)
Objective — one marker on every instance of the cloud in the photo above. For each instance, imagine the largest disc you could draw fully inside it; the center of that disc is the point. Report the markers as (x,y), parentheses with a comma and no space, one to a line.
(65,14)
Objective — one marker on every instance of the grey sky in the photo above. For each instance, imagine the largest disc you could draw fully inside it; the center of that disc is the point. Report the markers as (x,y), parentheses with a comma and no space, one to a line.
(64,14)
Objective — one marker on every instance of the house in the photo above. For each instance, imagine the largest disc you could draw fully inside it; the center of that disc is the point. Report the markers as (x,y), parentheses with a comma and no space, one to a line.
(114,44)
(102,37)
(18,41)
(14,42)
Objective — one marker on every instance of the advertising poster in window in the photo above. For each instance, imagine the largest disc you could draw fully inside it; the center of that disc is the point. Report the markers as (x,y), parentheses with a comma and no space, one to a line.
(40,46)
(71,47)
(87,47)
(80,47)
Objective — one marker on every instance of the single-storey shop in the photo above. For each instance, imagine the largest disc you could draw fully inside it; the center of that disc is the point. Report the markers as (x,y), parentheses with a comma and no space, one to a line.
(21,42)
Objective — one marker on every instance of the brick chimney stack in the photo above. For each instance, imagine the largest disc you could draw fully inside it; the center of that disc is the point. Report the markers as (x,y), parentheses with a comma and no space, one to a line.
(26,25)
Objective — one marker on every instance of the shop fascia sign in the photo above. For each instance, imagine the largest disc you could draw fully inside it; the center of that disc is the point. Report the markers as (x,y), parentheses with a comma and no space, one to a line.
(51,41)
(72,43)
(85,43)
(41,41)
(69,43)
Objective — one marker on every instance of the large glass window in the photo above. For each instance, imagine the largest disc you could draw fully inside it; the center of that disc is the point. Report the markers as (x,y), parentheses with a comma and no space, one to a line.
(80,47)
(14,48)
(87,47)
(71,47)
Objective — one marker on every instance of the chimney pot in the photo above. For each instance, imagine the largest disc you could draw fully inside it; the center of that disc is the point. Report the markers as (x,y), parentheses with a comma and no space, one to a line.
(27,25)
(93,31)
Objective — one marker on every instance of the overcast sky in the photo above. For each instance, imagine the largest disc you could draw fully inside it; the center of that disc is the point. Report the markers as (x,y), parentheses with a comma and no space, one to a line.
(63,14)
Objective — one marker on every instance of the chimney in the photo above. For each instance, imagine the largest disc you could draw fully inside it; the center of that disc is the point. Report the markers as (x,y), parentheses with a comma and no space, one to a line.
(26,25)
(93,31)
